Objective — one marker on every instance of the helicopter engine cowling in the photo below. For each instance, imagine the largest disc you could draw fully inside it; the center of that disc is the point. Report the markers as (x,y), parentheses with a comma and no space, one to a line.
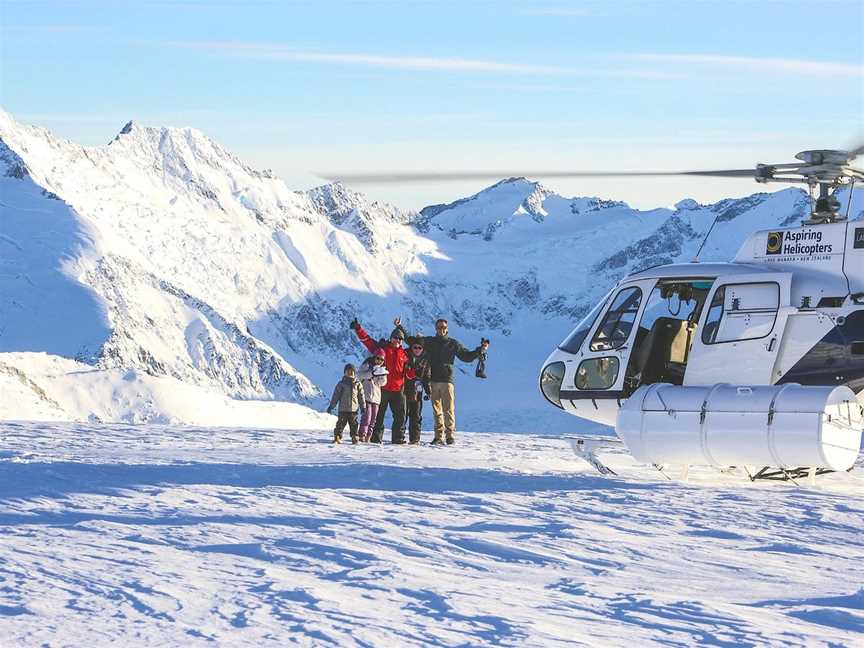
(781,426)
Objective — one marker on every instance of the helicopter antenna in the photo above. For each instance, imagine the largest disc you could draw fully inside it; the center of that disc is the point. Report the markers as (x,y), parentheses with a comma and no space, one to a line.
(705,240)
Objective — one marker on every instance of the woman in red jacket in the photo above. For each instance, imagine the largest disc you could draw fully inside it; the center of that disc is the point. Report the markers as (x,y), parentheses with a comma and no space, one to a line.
(398,369)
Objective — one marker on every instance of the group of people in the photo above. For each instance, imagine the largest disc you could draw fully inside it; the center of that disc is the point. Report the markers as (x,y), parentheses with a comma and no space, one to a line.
(400,378)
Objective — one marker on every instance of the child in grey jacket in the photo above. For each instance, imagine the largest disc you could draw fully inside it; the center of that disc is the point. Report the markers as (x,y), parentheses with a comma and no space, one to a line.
(348,395)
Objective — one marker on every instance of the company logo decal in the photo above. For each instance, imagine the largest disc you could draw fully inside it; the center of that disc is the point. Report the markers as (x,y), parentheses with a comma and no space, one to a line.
(859,237)
(804,243)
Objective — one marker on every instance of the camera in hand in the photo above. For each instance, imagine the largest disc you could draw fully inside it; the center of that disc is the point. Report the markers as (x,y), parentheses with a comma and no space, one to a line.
(480,371)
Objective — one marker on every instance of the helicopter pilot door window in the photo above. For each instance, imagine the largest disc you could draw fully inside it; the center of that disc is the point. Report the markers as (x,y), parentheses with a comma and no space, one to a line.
(618,322)
(607,346)
(741,312)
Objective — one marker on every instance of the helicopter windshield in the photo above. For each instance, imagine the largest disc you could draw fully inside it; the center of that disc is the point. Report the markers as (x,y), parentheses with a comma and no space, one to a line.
(573,342)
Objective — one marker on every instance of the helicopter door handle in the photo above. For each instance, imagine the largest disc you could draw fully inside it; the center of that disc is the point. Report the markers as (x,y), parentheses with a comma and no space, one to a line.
(771,344)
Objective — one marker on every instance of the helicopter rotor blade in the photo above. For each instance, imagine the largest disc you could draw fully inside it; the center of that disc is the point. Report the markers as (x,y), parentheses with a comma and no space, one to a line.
(386,177)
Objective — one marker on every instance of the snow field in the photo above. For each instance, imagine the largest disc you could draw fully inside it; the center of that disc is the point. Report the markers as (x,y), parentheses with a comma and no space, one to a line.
(164,535)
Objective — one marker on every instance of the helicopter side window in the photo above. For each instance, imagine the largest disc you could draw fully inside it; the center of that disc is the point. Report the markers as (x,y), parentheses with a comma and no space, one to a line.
(615,328)
(597,373)
(741,312)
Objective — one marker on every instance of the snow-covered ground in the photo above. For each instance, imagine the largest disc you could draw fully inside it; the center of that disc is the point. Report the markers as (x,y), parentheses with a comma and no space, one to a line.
(148,535)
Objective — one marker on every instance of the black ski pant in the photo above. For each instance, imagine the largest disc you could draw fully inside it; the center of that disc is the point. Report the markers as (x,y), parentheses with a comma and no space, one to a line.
(415,418)
(349,419)
(396,402)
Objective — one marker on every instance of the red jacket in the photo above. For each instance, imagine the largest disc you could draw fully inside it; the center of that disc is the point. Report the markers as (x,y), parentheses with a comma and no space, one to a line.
(395,360)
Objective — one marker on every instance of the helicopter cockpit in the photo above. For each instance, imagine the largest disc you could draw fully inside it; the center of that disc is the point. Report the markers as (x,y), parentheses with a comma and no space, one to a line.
(663,339)
(655,325)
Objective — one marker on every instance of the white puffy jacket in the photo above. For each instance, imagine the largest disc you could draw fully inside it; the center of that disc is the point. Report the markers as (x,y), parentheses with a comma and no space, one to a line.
(373,379)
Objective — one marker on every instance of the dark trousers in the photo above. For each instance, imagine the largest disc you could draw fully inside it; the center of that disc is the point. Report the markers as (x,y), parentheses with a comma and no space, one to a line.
(415,418)
(396,402)
(349,418)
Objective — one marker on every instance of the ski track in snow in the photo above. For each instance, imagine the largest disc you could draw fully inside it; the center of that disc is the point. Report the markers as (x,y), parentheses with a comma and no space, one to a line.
(147,535)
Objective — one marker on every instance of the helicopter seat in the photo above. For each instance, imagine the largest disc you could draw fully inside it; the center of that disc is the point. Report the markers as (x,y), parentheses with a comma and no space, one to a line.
(662,354)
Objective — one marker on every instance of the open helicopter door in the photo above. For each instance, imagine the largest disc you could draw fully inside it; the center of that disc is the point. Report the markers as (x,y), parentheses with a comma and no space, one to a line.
(740,330)
(596,388)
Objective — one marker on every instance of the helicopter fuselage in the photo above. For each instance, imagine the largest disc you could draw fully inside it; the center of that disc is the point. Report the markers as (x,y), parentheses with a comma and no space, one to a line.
(788,309)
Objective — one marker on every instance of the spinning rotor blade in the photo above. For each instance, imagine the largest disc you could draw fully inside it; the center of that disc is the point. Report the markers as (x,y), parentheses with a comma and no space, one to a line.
(449,176)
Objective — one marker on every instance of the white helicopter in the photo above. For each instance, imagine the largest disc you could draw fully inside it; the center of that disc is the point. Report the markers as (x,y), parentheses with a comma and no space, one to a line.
(752,364)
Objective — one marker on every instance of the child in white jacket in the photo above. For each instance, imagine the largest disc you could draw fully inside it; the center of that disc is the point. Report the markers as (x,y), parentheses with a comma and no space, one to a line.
(373,376)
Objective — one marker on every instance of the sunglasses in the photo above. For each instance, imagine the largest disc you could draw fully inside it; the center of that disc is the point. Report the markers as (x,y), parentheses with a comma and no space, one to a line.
(378,359)
(417,347)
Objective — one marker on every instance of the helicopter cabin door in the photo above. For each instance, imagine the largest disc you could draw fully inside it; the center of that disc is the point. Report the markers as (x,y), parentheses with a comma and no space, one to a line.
(595,387)
(740,330)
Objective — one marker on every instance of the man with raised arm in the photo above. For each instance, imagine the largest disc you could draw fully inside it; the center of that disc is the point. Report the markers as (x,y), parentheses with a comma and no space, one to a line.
(441,351)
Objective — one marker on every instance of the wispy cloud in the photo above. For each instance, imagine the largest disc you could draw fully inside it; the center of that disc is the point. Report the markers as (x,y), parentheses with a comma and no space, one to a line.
(285,53)
(67,117)
(644,66)
(563,12)
(778,65)
(50,29)
(278,52)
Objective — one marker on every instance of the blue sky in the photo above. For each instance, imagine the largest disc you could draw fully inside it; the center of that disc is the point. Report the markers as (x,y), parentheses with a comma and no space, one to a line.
(299,87)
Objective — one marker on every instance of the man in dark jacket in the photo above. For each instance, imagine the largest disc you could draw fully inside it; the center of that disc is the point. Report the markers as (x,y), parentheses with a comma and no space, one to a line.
(441,351)
(398,370)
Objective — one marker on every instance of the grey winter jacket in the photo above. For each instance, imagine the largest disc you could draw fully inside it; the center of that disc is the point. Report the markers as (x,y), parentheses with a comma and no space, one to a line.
(348,394)
(373,379)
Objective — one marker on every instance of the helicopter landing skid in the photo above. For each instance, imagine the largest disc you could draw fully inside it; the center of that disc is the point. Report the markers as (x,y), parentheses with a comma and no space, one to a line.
(788,474)
(586,448)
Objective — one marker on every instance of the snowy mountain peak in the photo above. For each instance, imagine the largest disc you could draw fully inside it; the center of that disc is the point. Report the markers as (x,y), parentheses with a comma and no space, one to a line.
(488,210)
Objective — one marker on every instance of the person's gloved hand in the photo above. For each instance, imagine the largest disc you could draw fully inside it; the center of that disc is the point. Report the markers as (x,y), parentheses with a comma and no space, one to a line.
(354,324)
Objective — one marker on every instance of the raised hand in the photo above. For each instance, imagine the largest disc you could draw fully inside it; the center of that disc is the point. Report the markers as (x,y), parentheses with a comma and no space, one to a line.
(354,325)
(397,321)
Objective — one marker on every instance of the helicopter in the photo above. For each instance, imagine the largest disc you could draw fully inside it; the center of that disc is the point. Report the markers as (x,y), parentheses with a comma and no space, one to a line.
(756,364)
